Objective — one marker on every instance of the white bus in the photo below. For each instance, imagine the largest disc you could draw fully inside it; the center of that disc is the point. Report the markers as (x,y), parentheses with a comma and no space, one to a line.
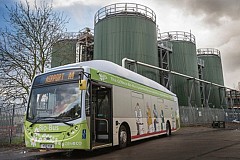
(96,104)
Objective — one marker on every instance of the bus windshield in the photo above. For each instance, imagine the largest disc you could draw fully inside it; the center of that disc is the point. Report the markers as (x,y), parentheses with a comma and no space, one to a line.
(55,102)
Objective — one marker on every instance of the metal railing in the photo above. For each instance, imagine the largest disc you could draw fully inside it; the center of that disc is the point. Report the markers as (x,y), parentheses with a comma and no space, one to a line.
(124,9)
(76,35)
(208,51)
(177,36)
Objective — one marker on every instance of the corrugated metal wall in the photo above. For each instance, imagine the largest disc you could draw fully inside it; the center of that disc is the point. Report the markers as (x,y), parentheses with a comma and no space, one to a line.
(212,68)
(194,116)
(11,126)
(212,72)
(130,35)
(184,60)
(64,52)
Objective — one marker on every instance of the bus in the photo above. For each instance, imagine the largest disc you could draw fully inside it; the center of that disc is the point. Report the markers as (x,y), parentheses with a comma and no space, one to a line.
(96,104)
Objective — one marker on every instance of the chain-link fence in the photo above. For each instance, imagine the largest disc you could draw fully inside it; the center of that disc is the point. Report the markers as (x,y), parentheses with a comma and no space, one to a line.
(195,116)
(11,120)
(11,125)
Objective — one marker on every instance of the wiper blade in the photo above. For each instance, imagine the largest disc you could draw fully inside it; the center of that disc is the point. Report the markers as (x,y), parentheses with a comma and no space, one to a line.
(38,119)
(51,119)
(70,124)
(62,121)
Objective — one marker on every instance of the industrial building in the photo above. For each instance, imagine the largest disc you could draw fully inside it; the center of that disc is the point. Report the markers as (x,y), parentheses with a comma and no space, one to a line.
(129,30)
(73,47)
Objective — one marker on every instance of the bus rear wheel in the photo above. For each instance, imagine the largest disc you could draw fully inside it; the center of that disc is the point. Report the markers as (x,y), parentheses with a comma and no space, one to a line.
(168,129)
(123,137)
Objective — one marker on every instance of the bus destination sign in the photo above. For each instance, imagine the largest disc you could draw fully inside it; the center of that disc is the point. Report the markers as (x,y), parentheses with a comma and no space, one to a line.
(60,77)
(56,77)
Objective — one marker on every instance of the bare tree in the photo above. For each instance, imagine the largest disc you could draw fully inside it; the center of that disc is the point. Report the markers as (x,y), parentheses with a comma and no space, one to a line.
(25,46)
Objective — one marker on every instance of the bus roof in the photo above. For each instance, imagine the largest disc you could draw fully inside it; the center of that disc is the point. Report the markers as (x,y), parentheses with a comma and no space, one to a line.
(110,67)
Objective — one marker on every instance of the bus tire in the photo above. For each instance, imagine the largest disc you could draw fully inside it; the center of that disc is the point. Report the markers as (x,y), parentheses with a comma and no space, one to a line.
(168,129)
(123,137)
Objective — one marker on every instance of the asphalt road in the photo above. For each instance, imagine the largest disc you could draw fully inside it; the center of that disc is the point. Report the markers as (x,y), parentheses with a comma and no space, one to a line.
(189,143)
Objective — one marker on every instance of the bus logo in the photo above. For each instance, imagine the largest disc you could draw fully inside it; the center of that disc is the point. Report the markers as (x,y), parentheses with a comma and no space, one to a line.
(102,77)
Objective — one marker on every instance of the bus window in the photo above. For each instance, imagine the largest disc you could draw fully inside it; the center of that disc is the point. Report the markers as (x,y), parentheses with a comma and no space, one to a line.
(58,101)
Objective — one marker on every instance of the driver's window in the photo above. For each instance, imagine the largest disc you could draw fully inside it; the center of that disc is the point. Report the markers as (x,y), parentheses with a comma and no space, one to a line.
(44,107)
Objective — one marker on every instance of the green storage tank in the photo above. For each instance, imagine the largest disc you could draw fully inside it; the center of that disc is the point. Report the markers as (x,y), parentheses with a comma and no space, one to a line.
(184,60)
(213,72)
(64,52)
(127,30)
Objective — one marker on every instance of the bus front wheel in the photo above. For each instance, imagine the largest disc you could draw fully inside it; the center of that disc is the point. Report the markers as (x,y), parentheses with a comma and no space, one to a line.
(123,137)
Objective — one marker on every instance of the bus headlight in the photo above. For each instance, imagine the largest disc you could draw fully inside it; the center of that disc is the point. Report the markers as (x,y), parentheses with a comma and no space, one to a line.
(73,131)
(76,127)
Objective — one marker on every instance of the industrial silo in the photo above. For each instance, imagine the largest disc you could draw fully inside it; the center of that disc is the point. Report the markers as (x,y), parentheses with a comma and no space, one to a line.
(73,47)
(213,72)
(183,60)
(126,30)
(64,51)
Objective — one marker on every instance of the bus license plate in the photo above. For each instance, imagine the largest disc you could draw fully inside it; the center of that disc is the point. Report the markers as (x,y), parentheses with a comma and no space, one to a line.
(47,146)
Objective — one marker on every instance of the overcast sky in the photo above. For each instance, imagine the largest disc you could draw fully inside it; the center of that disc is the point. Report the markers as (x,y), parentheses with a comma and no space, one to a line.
(215,23)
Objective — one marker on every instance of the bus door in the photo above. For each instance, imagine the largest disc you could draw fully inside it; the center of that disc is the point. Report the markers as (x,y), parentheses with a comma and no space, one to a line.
(102,117)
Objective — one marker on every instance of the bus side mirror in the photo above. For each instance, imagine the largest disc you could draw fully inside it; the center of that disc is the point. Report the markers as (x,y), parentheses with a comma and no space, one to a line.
(82,84)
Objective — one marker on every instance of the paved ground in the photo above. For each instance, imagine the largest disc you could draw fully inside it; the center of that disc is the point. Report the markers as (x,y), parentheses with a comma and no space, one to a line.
(197,142)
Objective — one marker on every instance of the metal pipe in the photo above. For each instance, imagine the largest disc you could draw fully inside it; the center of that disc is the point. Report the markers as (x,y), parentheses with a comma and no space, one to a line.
(172,72)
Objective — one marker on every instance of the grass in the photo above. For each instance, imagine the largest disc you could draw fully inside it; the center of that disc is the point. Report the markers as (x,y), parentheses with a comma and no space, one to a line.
(15,141)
